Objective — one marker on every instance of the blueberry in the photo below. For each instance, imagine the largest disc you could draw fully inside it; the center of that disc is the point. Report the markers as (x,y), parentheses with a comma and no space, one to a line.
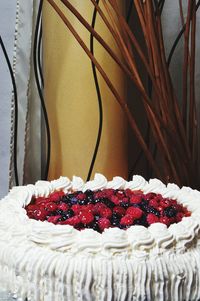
(74,200)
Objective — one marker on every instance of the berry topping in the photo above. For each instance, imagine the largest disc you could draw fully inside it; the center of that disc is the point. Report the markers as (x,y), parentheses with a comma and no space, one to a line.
(104,223)
(134,212)
(86,217)
(152,218)
(106,208)
(126,220)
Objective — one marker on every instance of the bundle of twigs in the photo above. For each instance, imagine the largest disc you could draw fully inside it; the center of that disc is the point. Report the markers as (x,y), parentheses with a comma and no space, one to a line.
(173,122)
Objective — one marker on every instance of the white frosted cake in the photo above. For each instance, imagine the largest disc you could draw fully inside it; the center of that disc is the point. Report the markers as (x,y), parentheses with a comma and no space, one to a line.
(100,241)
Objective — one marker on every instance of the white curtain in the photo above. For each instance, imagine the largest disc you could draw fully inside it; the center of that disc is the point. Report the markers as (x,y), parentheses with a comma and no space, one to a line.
(17,25)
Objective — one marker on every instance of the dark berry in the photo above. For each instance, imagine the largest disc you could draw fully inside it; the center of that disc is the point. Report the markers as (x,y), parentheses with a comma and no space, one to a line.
(170,212)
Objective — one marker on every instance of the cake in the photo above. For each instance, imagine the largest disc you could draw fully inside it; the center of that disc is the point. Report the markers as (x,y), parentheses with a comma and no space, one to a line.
(100,255)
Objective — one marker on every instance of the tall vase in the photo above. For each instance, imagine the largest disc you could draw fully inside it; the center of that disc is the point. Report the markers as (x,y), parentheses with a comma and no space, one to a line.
(71,98)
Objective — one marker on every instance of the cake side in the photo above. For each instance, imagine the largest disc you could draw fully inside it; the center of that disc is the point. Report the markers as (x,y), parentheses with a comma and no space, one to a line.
(43,261)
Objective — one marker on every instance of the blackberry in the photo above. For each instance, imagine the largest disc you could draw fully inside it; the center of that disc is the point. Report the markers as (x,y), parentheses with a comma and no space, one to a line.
(59,212)
(65,199)
(82,202)
(124,204)
(115,221)
(89,192)
(135,205)
(143,204)
(107,202)
(154,211)
(170,212)
(90,199)
(67,214)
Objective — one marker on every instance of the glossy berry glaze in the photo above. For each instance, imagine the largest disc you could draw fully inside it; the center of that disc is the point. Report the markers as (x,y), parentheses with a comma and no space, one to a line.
(106,208)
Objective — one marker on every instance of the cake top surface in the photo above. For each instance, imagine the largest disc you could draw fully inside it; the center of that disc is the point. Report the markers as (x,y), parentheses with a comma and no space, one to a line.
(137,240)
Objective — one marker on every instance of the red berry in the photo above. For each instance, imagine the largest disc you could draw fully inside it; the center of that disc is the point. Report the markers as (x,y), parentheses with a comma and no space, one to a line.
(40,200)
(119,210)
(31,207)
(103,223)
(89,207)
(165,220)
(51,207)
(109,192)
(73,221)
(149,196)
(128,192)
(135,199)
(86,217)
(97,207)
(120,194)
(136,213)
(165,203)
(40,214)
(179,216)
(81,196)
(152,218)
(76,208)
(154,203)
(126,220)
(55,196)
(63,207)
(115,200)
(53,219)
(105,212)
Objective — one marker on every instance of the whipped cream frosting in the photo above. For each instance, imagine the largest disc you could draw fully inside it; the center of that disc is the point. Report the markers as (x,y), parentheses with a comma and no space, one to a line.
(53,254)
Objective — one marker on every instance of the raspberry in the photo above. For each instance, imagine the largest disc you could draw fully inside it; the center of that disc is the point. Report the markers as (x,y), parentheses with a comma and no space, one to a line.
(63,207)
(119,210)
(53,219)
(86,217)
(40,200)
(128,192)
(152,218)
(31,207)
(165,203)
(165,220)
(73,221)
(179,216)
(89,207)
(149,196)
(154,203)
(136,213)
(126,220)
(120,194)
(81,196)
(55,196)
(97,207)
(115,200)
(40,214)
(51,207)
(103,223)
(76,208)
(109,192)
(135,199)
(105,212)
